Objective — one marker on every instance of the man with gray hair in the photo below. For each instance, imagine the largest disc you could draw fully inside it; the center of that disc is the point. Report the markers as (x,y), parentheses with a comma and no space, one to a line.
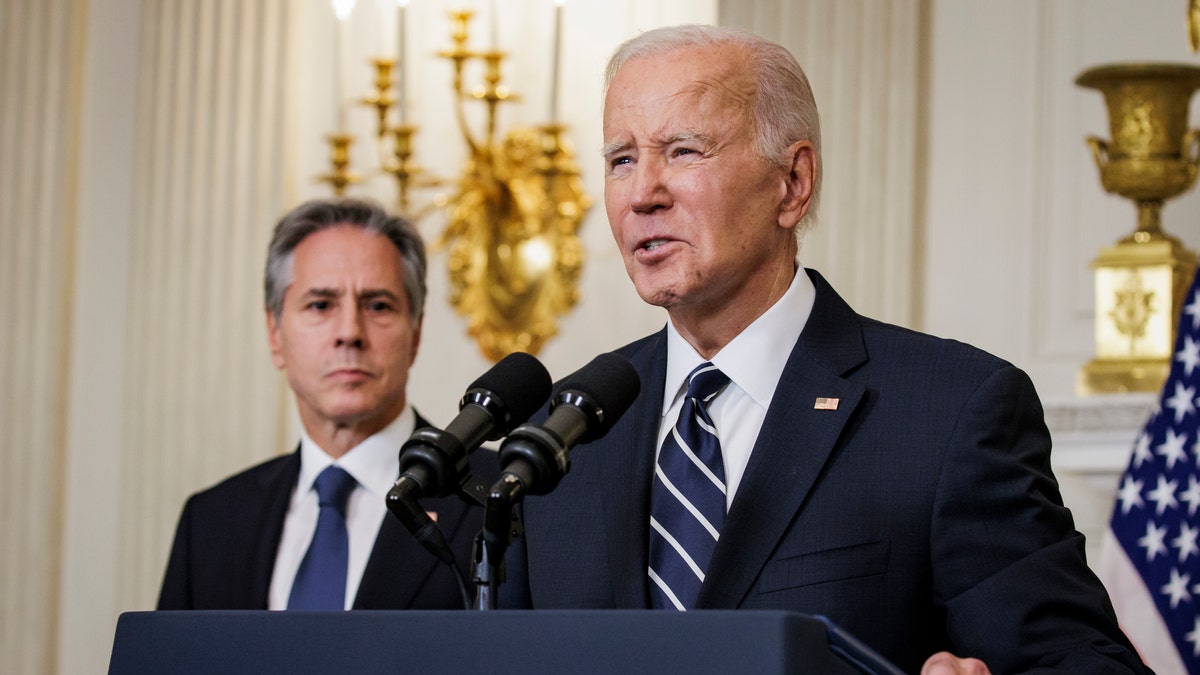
(786,452)
(344,294)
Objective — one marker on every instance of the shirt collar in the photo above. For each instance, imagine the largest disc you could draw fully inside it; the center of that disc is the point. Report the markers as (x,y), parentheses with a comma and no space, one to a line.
(753,360)
(374,463)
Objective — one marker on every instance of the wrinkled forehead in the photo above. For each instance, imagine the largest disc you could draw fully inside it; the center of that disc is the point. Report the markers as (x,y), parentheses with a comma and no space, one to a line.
(702,76)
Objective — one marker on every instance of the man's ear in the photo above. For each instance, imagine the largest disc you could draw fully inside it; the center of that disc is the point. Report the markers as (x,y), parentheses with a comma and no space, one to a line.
(274,340)
(799,183)
(416,341)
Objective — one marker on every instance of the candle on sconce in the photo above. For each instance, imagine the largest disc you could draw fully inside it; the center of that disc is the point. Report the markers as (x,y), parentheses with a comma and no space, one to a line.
(555,57)
(382,35)
(494,27)
(401,62)
(342,9)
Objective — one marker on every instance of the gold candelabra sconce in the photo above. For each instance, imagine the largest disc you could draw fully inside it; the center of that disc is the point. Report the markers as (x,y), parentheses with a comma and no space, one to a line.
(512,216)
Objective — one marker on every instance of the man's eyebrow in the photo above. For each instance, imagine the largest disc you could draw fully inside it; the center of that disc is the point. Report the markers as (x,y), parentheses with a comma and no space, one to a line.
(609,149)
(690,135)
(684,136)
(365,294)
(322,292)
(373,293)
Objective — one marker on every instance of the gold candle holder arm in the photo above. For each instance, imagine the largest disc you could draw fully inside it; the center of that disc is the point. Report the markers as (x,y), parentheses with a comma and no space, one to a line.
(401,165)
(474,147)
(381,97)
(340,176)
(459,54)
(492,93)
(460,20)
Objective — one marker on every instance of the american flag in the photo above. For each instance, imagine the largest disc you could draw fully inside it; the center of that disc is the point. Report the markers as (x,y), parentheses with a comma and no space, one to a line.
(1150,560)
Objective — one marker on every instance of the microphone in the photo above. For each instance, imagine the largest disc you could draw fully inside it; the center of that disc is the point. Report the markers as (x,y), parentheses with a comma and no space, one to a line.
(534,458)
(433,461)
(588,403)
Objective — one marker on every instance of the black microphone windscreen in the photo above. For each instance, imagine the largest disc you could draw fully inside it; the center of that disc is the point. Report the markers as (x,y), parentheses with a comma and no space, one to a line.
(520,381)
(611,382)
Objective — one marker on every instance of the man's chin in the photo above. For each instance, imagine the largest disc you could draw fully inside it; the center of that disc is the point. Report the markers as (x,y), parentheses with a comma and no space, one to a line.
(364,411)
(665,298)
(353,413)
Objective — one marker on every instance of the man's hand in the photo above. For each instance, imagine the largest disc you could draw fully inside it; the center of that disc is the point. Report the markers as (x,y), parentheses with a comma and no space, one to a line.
(945,663)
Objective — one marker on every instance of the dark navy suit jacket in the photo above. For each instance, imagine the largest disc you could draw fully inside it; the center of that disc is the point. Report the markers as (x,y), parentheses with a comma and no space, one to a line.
(921,514)
(228,535)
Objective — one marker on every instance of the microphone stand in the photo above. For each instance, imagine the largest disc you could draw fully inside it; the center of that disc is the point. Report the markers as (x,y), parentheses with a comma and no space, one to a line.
(534,458)
(535,461)
(408,511)
(502,524)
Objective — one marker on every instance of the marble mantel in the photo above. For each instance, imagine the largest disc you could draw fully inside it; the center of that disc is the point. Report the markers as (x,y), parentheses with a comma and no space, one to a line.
(1093,438)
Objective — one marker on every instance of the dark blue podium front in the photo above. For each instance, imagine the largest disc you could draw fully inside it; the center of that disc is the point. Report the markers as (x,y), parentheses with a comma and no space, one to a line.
(544,641)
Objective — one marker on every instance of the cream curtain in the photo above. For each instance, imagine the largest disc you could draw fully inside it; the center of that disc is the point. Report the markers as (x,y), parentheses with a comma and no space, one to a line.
(39,71)
(200,395)
(192,392)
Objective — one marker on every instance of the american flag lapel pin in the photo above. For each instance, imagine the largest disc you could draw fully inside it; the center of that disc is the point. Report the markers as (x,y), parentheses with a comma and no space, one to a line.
(825,404)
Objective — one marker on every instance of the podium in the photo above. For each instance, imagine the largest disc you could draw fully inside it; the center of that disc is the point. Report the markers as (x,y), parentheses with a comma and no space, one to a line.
(527,642)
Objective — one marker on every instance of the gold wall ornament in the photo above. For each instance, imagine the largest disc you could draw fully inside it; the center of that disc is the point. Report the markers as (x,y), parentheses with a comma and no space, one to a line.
(1193,25)
(512,215)
(514,256)
(1142,279)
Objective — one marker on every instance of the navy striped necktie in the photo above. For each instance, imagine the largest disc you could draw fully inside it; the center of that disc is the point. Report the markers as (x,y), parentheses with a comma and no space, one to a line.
(321,579)
(687,499)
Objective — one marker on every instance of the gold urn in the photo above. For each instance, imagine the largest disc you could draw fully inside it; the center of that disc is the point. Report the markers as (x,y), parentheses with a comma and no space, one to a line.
(1141,280)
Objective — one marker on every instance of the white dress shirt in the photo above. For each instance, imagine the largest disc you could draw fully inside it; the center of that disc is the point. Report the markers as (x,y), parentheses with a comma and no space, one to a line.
(374,464)
(754,362)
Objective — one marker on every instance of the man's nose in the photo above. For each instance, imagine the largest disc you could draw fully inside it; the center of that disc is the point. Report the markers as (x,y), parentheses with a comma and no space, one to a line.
(350,332)
(650,190)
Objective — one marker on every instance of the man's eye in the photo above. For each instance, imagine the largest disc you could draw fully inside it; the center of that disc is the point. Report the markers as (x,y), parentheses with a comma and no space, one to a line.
(319,305)
(379,306)
(684,151)
(620,161)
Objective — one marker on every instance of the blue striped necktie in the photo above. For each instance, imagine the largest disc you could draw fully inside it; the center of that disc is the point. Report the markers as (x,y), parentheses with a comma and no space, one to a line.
(687,499)
(321,579)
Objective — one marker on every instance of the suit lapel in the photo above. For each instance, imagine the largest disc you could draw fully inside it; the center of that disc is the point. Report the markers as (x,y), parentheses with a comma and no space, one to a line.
(629,499)
(277,486)
(588,539)
(796,440)
(395,556)
(397,560)
(398,567)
